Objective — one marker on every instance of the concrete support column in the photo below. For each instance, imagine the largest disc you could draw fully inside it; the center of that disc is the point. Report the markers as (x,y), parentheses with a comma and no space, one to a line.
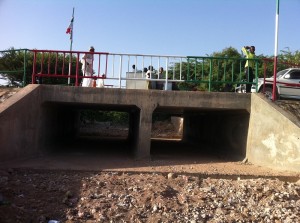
(143,138)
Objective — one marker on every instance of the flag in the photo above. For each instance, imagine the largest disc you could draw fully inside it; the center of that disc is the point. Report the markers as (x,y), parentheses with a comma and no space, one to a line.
(70,28)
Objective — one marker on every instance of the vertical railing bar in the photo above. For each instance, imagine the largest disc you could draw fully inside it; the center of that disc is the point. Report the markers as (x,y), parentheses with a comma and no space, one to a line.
(195,76)
(70,67)
(202,67)
(143,65)
(106,65)
(24,68)
(210,73)
(218,69)
(56,61)
(113,66)
(173,68)
(77,73)
(120,70)
(128,65)
(63,65)
(180,69)
(256,74)
(42,61)
(167,73)
(48,70)
(34,67)
(158,67)
(135,66)
(188,69)
(99,64)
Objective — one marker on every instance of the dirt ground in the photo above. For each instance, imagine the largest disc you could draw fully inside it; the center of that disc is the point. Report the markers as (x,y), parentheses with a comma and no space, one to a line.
(92,186)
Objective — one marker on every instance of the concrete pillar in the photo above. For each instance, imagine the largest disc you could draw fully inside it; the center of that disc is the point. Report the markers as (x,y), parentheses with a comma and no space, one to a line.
(143,138)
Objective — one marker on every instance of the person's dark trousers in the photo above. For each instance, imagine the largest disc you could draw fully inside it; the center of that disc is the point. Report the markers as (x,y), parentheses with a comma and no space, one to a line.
(249,77)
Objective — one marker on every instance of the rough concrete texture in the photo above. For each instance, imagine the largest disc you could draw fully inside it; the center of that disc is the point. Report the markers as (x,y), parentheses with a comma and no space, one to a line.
(48,113)
(37,114)
(19,129)
(273,136)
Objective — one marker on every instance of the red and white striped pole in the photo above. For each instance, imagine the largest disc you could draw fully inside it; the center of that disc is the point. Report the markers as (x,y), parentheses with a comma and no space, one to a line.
(276,50)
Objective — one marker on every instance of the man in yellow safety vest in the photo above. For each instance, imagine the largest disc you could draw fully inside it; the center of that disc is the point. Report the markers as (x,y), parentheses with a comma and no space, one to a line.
(249,51)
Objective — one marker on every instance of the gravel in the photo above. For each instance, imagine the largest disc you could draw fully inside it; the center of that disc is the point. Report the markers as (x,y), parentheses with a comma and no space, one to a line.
(86,196)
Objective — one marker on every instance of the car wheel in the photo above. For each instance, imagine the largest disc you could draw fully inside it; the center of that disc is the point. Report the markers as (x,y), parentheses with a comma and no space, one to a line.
(269,93)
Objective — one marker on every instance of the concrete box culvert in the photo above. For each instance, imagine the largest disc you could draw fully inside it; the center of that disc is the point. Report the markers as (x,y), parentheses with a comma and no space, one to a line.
(25,123)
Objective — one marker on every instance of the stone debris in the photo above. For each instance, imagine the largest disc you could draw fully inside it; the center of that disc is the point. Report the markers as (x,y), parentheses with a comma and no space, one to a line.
(69,196)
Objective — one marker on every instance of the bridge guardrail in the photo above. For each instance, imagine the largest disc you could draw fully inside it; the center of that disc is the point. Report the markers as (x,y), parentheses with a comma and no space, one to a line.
(117,70)
(112,67)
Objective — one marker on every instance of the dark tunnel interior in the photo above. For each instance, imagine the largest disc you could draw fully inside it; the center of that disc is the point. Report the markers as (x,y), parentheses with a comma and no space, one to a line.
(106,129)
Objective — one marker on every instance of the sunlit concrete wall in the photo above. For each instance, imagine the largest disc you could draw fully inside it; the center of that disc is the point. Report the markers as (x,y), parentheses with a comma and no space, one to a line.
(273,136)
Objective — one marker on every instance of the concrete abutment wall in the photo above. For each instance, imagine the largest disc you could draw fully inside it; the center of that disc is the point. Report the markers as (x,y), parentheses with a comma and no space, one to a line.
(274,136)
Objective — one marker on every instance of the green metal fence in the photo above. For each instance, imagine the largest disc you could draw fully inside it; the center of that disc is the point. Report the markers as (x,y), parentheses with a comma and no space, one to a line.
(213,73)
(10,67)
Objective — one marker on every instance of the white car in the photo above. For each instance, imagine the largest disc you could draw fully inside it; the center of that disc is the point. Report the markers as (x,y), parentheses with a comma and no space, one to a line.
(5,82)
(287,82)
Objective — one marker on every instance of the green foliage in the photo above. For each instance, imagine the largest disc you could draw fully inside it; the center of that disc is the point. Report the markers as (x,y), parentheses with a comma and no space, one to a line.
(105,116)
(290,57)
(12,65)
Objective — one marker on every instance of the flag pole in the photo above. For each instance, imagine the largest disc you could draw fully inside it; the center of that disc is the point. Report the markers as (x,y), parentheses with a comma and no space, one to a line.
(71,44)
(275,51)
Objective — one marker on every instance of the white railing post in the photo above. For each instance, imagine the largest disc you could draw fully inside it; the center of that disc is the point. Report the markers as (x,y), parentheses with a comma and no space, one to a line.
(167,68)
(113,66)
(120,71)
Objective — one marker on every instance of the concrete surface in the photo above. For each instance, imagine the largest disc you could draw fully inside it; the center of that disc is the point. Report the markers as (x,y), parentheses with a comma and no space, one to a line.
(273,136)
(40,116)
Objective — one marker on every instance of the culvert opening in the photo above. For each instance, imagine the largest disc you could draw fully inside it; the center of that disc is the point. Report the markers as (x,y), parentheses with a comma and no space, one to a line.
(89,129)
(206,135)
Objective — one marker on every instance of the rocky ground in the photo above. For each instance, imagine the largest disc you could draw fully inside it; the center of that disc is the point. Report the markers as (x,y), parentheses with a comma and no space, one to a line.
(67,196)
(153,191)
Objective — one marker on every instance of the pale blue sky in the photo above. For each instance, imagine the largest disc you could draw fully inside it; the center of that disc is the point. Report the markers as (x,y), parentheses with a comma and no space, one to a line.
(164,27)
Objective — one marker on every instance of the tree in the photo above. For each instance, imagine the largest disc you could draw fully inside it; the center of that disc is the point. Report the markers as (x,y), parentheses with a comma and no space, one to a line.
(14,65)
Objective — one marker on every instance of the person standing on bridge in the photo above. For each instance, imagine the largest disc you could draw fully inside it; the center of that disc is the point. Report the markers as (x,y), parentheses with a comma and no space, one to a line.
(87,67)
(249,51)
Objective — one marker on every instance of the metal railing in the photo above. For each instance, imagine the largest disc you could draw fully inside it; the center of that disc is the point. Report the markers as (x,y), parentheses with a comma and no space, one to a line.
(19,68)
(65,65)
(214,72)
(115,68)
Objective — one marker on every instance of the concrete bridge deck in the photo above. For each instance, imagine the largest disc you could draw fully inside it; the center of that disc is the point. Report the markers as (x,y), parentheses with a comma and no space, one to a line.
(243,124)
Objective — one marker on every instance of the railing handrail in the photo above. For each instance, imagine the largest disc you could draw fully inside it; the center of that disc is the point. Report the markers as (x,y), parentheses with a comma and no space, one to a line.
(120,66)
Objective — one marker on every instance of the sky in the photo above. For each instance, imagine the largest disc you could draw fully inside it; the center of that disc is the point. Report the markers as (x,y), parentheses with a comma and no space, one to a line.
(160,27)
